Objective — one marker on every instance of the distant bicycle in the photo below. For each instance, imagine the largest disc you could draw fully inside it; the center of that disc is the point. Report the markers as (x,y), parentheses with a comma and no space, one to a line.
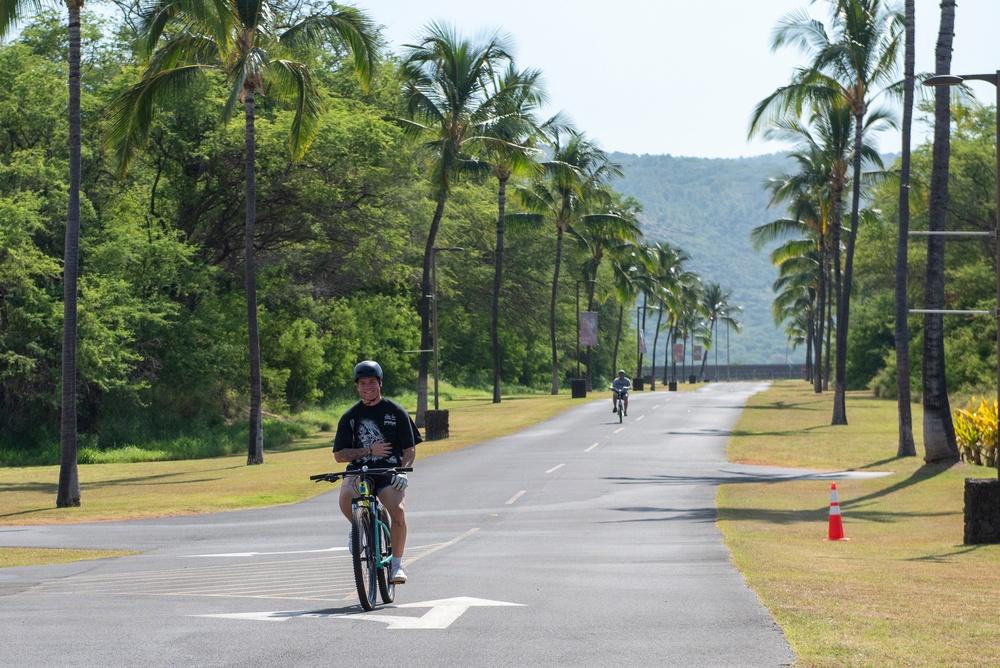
(371,547)
(620,399)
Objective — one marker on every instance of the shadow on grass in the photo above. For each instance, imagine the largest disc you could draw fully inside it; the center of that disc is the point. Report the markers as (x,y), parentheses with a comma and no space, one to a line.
(785,432)
(922,474)
(797,406)
(152,479)
(820,514)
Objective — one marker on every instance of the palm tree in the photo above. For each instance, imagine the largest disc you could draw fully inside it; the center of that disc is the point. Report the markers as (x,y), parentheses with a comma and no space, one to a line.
(612,231)
(449,94)
(906,447)
(715,301)
(573,177)
(630,271)
(248,44)
(939,431)
(506,146)
(68,491)
(810,191)
(668,275)
(854,61)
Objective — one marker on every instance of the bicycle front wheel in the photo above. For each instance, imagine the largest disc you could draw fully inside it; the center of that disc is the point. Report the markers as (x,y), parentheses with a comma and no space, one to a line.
(385,586)
(365,556)
(621,411)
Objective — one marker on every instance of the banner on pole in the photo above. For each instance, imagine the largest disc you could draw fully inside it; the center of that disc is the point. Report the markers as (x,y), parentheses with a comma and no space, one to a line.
(697,353)
(679,352)
(588,328)
(642,342)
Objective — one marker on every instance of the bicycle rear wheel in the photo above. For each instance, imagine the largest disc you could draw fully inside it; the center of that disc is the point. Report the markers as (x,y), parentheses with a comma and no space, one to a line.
(385,586)
(364,556)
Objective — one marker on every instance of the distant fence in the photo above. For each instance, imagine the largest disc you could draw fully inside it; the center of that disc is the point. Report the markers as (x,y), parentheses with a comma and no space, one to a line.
(732,372)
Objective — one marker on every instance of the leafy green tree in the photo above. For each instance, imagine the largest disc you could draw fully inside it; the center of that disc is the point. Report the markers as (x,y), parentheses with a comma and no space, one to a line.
(250,46)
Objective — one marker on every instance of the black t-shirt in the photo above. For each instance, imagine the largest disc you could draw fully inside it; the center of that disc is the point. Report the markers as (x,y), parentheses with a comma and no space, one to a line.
(362,425)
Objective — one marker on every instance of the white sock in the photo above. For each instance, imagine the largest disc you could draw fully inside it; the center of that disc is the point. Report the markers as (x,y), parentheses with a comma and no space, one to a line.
(396,562)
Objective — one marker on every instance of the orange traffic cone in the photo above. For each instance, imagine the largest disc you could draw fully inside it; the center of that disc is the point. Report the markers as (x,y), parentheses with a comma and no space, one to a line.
(836,524)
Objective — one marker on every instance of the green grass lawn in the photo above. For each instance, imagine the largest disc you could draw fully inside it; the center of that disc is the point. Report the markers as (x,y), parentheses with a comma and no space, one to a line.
(903,591)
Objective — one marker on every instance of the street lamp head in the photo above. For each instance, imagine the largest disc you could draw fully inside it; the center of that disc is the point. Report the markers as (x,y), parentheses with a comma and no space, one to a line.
(943,80)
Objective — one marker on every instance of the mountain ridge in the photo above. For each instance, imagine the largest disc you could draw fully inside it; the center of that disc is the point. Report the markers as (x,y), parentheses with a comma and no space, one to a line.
(708,207)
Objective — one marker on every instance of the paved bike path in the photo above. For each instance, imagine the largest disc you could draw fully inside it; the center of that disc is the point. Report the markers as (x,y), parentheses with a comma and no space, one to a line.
(579,541)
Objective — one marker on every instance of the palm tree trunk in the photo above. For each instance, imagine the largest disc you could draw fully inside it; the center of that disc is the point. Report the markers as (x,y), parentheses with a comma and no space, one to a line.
(656,337)
(820,315)
(497,283)
(618,338)
(829,329)
(844,300)
(939,431)
(810,344)
(68,492)
(906,446)
(642,328)
(425,314)
(255,448)
(552,311)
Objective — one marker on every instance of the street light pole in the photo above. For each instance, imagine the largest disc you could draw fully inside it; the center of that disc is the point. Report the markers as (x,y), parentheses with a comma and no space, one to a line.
(434,312)
(953,80)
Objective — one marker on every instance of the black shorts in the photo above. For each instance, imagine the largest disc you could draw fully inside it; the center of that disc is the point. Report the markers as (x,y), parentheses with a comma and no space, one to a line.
(381,481)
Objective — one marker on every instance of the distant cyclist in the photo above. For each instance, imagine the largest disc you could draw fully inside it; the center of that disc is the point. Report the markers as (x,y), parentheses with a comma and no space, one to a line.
(623,385)
(377,433)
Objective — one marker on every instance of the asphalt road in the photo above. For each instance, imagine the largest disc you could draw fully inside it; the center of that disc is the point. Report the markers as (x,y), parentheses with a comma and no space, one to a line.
(578,542)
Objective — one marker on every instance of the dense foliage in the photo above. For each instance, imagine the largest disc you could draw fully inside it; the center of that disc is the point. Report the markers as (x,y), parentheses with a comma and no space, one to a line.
(970,268)
(338,246)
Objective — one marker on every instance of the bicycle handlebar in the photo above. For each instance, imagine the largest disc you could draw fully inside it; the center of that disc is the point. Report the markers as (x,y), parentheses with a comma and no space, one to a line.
(365,471)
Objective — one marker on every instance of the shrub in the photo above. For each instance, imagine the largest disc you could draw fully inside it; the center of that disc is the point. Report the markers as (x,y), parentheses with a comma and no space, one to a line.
(976,432)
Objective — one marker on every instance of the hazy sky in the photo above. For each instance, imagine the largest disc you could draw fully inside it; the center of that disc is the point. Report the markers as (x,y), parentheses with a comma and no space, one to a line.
(675,77)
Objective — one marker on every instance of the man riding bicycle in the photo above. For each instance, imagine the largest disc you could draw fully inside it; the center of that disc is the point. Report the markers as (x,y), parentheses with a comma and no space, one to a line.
(623,385)
(377,433)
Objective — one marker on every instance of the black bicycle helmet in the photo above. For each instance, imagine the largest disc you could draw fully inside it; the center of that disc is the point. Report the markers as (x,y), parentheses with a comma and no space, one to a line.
(367,369)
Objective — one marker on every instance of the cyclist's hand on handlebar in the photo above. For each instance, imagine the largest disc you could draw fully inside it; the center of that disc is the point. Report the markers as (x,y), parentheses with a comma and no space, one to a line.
(399,481)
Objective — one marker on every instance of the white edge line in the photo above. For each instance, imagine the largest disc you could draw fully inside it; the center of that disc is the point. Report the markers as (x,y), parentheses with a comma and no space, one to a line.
(592,447)
(618,430)
(555,468)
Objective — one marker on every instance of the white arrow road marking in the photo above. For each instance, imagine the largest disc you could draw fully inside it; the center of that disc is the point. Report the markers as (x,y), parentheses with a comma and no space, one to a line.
(440,616)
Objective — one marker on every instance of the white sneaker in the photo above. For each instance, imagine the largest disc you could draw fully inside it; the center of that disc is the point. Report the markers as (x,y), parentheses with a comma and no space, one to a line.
(398,575)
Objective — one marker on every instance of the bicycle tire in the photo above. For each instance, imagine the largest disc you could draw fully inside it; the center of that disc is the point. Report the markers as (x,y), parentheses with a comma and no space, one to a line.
(621,411)
(364,557)
(385,585)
